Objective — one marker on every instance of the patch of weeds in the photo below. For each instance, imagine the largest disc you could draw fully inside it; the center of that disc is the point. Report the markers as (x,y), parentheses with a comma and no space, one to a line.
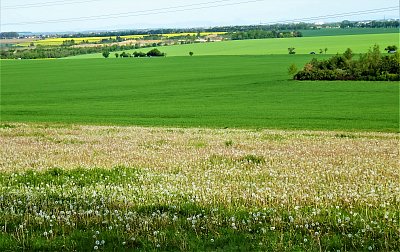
(161,142)
(342,135)
(197,143)
(253,159)
(273,137)
(228,143)
(218,159)
(7,126)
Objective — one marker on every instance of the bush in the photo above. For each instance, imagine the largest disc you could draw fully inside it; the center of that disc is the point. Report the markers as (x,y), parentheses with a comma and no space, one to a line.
(155,53)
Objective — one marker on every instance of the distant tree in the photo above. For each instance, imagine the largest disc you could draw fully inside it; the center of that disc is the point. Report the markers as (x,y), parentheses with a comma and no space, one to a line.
(291,50)
(106,54)
(321,51)
(124,55)
(139,54)
(116,55)
(348,54)
(32,44)
(325,50)
(8,35)
(155,53)
(191,53)
(391,48)
(292,70)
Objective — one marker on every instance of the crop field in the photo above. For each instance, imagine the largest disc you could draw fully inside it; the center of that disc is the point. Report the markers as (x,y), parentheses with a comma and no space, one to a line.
(349,31)
(59,41)
(70,187)
(303,45)
(217,91)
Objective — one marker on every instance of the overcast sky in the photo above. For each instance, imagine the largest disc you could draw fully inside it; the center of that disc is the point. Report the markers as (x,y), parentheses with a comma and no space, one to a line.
(19,15)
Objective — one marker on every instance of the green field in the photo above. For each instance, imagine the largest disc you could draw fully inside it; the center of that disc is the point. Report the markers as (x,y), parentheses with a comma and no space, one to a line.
(214,91)
(304,45)
(349,31)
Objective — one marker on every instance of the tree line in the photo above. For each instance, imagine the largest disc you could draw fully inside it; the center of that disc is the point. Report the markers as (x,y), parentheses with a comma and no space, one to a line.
(152,53)
(261,34)
(41,52)
(371,66)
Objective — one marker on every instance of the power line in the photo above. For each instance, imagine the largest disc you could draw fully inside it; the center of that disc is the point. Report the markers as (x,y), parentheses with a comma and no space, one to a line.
(45,4)
(140,13)
(346,14)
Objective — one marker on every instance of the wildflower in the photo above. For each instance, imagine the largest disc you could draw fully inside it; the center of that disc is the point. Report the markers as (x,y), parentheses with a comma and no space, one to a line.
(95,247)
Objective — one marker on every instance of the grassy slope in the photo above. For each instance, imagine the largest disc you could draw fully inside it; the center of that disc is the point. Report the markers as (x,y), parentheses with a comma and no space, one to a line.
(223,91)
(304,45)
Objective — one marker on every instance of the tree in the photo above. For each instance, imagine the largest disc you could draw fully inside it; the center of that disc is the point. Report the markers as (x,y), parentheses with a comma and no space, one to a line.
(191,53)
(326,49)
(106,54)
(124,55)
(321,51)
(348,54)
(291,50)
(391,48)
(116,55)
(155,53)
(292,70)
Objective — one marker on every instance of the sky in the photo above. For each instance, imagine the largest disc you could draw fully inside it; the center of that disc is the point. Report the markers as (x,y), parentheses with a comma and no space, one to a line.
(84,15)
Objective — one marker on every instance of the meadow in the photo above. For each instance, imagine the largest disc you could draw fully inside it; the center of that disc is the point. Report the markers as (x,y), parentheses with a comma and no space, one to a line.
(210,153)
(89,188)
(359,43)
(215,91)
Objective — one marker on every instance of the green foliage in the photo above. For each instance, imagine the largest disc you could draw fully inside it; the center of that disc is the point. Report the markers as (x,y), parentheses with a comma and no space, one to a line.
(228,143)
(191,53)
(125,55)
(371,66)
(253,159)
(262,34)
(291,50)
(292,69)
(348,54)
(139,54)
(155,53)
(391,48)
(68,43)
(213,91)
(106,54)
